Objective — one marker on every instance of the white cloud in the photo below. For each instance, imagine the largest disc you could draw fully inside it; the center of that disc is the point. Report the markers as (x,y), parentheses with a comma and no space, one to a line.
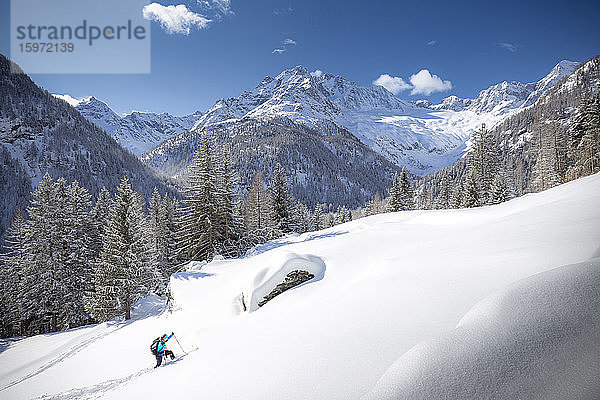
(175,19)
(425,83)
(283,11)
(393,84)
(285,43)
(219,7)
(508,46)
(317,73)
(431,42)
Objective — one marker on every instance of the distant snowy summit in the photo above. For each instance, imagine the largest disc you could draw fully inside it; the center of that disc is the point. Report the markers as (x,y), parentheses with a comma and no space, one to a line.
(422,136)
(506,96)
(137,131)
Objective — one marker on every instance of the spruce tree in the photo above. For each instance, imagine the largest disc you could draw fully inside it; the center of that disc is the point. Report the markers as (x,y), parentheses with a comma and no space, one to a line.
(500,191)
(545,172)
(395,201)
(230,225)
(443,199)
(100,213)
(471,193)
(407,191)
(201,224)
(317,218)
(456,199)
(123,273)
(282,201)
(13,260)
(482,160)
(585,145)
(59,256)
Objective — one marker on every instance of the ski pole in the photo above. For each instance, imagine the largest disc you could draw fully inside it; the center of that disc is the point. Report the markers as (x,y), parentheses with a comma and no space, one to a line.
(178,343)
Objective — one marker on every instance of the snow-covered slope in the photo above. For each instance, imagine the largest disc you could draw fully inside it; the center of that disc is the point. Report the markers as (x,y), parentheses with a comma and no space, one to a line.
(382,285)
(136,131)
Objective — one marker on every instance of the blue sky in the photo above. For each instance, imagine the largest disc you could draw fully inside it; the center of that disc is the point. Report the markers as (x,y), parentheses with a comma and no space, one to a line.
(471,44)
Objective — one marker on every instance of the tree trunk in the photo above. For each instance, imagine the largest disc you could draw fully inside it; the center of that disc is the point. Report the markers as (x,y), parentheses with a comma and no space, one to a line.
(127,307)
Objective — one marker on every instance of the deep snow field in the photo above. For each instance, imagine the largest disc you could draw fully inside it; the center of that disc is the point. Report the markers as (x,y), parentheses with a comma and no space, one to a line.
(472,304)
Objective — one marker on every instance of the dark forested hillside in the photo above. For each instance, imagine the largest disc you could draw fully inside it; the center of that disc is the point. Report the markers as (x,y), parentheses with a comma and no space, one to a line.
(39,134)
(325,166)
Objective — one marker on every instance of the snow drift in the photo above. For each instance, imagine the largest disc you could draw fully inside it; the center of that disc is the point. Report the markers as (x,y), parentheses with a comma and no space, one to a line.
(537,339)
(392,282)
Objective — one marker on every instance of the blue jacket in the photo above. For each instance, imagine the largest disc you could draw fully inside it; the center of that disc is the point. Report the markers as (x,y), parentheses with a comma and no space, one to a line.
(160,349)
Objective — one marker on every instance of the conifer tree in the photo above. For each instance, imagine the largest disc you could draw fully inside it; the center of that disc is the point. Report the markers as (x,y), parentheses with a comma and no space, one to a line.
(395,201)
(200,226)
(482,160)
(100,213)
(124,273)
(13,261)
(170,215)
(59,251)
(258,207)
(585,145)
(545,170)
(282,201)
(407,191)
(228,207)
(500,191)
(318,218)
(304,222)
(443,199)
(471,191)
(456,199)
(157,229)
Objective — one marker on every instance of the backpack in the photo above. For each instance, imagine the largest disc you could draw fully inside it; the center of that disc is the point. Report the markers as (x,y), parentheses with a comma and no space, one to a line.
(154,345)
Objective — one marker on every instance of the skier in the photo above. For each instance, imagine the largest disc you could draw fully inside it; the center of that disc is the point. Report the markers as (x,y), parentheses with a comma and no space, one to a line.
(158,348)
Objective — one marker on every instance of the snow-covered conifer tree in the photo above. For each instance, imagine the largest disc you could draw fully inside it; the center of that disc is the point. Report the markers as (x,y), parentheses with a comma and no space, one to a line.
(200,224)
(406,191)
(482,160)
(456,199)
(13,261)
(230,224)
(443,199)
(318,218)
(123,273)
(471,191)
(499,192)
(59,256)
(395,201)
(282,201)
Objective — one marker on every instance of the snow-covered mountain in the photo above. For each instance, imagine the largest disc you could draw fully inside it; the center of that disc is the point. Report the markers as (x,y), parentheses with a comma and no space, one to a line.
(422,136)
(40,134)
(419,135)
(136,131)
(478,303)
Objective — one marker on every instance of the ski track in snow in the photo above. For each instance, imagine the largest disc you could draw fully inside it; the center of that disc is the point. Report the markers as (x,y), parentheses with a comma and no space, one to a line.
(100,389)
(71,352)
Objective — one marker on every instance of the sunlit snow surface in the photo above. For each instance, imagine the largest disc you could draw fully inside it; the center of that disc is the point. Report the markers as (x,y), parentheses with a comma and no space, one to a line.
(460,285)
